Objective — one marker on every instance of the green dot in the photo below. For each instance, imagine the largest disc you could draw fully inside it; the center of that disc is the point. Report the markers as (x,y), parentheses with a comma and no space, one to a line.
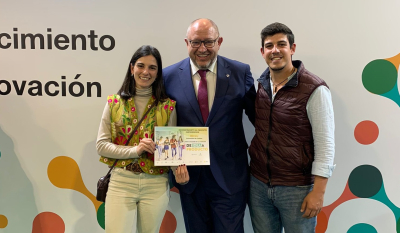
(362,228)
(379,76)
(398,226)
(365,181)
(101,216)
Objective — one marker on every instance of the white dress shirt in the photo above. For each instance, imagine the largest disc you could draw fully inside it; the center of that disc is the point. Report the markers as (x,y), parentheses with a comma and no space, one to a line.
(211,78)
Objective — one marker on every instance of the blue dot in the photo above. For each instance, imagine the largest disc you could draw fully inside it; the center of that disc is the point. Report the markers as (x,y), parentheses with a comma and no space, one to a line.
(362,228)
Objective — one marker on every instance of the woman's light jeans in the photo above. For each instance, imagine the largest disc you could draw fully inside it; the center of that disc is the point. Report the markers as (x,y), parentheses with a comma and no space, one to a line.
(135,201)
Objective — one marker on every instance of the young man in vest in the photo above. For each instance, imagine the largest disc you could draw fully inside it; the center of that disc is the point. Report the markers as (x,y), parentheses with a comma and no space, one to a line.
(293,149)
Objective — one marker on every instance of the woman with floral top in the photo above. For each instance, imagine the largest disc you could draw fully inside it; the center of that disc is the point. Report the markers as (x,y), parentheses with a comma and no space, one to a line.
(137,189)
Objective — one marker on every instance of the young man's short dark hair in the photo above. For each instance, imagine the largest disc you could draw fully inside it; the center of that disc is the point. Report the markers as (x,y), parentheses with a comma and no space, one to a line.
(276,28)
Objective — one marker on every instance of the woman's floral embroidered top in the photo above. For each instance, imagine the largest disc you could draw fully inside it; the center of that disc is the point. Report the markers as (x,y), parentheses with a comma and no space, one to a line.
(124,119)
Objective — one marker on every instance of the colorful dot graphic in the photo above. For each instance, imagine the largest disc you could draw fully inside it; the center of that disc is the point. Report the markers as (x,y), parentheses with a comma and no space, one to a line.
(365,181)
(63,172)
(362,228)
(48,222)
(101,216)
(323,216)
(366,132)
(168,224)
(380,77)
(3,221)
(175,190)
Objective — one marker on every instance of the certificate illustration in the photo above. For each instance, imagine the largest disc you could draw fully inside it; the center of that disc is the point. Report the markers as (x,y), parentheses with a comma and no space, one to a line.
(181,145)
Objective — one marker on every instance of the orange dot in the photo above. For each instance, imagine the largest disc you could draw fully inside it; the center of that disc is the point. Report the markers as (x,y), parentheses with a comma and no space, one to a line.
(3,221)
(175,190)
(322,222)
(169,223)
(48,222)
(366,132)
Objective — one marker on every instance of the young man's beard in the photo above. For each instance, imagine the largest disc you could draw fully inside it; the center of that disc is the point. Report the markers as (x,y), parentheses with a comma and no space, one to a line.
(277,69)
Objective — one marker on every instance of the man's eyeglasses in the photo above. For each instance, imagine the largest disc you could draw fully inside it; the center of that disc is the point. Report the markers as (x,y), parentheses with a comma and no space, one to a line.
(207,43)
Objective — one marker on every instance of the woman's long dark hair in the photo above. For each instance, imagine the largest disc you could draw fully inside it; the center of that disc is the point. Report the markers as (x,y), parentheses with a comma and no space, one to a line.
(128,88)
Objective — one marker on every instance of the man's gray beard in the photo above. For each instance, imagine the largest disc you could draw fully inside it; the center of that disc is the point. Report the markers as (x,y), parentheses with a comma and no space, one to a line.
(203,67)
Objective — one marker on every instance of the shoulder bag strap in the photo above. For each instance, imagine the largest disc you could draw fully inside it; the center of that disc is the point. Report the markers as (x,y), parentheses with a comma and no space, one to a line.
(133,132)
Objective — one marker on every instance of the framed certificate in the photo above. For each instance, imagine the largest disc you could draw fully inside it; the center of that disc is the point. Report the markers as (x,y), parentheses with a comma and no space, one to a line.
(181,145)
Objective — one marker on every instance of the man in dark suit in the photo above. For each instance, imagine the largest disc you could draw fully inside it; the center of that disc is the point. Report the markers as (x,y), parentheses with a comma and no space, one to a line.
(213,91)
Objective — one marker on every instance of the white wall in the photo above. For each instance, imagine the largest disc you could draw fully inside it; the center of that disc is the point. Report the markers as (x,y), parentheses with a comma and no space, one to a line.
(335,40)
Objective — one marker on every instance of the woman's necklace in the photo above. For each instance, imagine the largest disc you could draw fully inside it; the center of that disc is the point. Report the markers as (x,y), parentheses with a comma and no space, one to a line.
(285,80)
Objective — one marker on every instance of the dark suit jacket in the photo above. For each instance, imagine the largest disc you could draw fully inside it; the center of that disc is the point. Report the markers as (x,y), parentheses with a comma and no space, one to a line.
(228,147)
